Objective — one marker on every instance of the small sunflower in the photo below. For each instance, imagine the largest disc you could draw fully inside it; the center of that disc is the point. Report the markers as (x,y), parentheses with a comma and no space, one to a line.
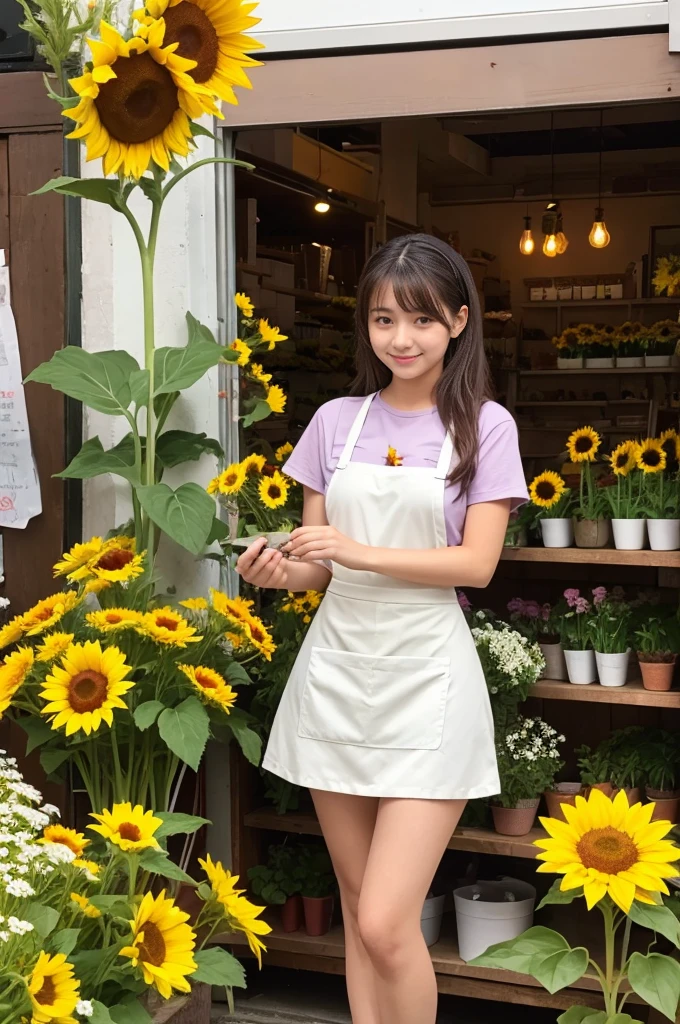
(117,562)
(258,635)
(393,458)
(53,989)
(276,398)
(244,304)
(13,672)
(623,458)
(237,608)
(273,490)
(253,465)
(650,456)
(79,555)
(670,442)
(53,646)
(87,908)
(230,481)
(271,335)
(221,881)
(583,444)
(195,604)
(166,626)
(83,690)
(546,489)
(609,848)
(90,867)
(95,586)
(239,346)
(235,640)
(46,613)
(111,619)
(241,914)
(130,828)
(75,841)
(283,452)
(210,685)
(258,374)
(162,944)
(12,631)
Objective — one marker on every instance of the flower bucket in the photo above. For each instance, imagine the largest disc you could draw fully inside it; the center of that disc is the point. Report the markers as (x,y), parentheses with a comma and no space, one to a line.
(612,668)
(581,667)
(431,919)
(576,363)
(657,675)
(600,363)
(563,793)
(664,534)
(658,360)
(515,821)
(318,914)
(555,665)
(667,804)
(629,534)
(484,917)
(591,533)
(292,914)
(629,362)
(557,533)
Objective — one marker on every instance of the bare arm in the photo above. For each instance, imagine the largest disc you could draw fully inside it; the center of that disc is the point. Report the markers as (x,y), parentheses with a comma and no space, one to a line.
(267,568)
(471,564)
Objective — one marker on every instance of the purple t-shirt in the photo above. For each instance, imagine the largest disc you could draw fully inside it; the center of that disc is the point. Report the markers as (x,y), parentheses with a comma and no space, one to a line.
(417,438)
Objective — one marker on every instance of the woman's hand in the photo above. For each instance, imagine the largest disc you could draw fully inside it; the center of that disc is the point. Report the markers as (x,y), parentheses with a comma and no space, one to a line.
(325,543)
(262,566)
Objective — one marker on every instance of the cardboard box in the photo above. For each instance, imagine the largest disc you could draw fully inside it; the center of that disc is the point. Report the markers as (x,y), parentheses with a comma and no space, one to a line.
(576,292)
(588,291)
(536,294)
(565,293)
(551,294)
(616,291)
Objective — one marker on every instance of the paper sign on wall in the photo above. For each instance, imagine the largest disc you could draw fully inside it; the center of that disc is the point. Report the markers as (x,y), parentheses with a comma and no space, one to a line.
(19,485)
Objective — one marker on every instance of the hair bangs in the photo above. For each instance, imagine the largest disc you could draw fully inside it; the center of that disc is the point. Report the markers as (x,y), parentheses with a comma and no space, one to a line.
(413,291)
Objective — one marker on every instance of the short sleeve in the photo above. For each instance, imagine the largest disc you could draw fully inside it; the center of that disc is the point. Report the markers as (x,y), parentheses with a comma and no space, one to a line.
(500,473)
(308,463)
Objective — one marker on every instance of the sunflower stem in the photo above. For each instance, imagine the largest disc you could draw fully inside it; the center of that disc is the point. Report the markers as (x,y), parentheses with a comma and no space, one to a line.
(118,794)
(203,163)
(609,950)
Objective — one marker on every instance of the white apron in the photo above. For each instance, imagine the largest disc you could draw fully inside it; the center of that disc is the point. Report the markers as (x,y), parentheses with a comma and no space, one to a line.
(387,697)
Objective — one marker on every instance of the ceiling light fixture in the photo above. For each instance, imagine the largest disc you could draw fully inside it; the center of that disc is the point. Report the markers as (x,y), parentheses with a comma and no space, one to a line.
(599,237)
(526,242)
(322,207)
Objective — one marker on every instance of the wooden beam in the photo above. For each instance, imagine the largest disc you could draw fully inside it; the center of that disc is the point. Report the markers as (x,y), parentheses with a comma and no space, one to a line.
(25,104)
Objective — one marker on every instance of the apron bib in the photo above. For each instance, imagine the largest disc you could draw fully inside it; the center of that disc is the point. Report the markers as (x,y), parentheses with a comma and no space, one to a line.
(387,697)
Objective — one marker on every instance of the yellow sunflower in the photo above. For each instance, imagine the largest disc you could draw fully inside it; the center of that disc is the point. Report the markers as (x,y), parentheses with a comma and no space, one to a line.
(623,458)
(244,304)
(130,828)
(273,490)
(282,452)
(609,848)
(258,374)
(136,102)
(75,841)
(53,989)
(270,335)
(258,635)
(253,465)
(162,944)
(116,563)
(670,442)
(211,33)
(46,613)
(230,481)
(53,645)
(650,456)
(276,398)
(210,685)
(90,867)
(195,604)
(85,687)
(79,555)
(235,640)
(110,619)
(166,626)
(393,458)
(237,608)
(241,914)
(13,672)
(95,586)
(238,345)
(546,489)
(221,881)
(583,444)
(85,905)
(12,631)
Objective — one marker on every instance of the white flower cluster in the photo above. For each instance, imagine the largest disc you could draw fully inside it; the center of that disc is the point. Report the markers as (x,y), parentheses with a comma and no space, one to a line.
(533,740)
(84,1008)
(512,656)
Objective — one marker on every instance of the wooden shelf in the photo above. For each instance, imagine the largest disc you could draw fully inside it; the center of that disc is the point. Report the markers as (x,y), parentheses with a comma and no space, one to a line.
(599,303)
(590,402)
(594,693)
(592,556)
(593,372)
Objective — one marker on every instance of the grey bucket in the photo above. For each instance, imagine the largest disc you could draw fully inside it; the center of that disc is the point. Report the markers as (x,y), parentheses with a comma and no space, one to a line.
(490,919)
(431,919)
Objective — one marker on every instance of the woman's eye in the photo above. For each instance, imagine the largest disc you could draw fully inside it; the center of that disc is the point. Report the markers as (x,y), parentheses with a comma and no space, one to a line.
(424,320)
(383,320)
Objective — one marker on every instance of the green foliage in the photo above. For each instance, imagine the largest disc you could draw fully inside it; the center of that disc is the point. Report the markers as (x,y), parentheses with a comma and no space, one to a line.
(185,515)
(92,460)
(656,979)
(99,380)
(185,730)
(218,967)
(283,875)
(317,871)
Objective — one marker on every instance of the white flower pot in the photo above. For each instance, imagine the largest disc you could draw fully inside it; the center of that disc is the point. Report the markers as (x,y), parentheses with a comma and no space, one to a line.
(664,534)
(555,665)
(431,919)
(570,364)
(629,534)
(600,363)
(557,533)
(581,667)
(630,361)
(612,668)
(484,917)
(658,360)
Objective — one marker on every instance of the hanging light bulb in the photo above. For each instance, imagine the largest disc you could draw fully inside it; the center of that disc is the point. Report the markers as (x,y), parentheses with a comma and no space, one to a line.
(599,237)
(550,245)
(561,238)
(526,242)
(550,225)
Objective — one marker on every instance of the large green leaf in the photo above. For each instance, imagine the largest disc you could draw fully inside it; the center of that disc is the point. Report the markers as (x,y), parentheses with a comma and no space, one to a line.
(186,515)
(177,446)
(560,969)
(158,863)
(196,331)
(37,731)
(237,674)
(218,967)
(53,758)
(139,386)
(582,1015)
(130,1013)
(219,531)
(64,941)
(179,824)
(99,190)
(555,895)
(43,919)
(260,411)
(100,380)
(185,730)
(656,979)
(147,713)
(659,919)
(93,461)
(518,954)
(178,368)
(100,1014)
(248,740)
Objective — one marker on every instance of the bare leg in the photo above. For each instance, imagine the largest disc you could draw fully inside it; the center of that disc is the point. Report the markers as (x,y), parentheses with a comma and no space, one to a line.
(347,823)
(408,843)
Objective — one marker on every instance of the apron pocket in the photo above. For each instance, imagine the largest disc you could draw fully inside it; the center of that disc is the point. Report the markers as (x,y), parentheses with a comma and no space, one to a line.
(392,703)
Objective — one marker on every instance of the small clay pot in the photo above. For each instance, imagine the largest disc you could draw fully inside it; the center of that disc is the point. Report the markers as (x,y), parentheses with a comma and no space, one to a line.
(292,914)
(591,533)
(563,793)
(605,787)
(667,804)
(657,675)
(515,821)
(318,914)
(632,792)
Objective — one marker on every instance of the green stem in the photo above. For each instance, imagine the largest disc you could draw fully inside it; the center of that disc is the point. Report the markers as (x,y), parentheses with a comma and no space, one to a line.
(202,163)
(118,774)
(622,970)
(609,949)
(133,862)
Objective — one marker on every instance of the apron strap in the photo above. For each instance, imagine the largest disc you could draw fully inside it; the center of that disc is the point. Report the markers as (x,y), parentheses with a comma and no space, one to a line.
(354,433)
(445,458)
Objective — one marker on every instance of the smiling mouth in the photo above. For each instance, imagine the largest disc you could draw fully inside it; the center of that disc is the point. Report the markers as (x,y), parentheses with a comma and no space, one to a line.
(405,359)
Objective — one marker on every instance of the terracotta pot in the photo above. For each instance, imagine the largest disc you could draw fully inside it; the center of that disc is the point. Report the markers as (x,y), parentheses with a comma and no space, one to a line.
(591,533)
(605,787)
(318,914)
(632,792)
(563,793)
(666,803)
(515,821)
(292,914)
(657,675)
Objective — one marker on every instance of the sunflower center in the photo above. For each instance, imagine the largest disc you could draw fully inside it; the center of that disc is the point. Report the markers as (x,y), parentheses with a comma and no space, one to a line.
(139,103)
(583,445)
(114,617)
(152,946)
(187,25)
(257,634)
(67,841)
(622,460)
(546,490)
(128,830)
(164,623)
(231,479)
(274,492)
(48,992)
(607,850)
(116,559)
(87,691)
(651,457)
(45,613)
(207,682)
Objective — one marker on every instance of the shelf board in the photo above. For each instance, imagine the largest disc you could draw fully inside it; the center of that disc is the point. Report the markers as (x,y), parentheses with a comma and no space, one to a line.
(594,693)
(592,556)
(599,303)
(591,372)
(590,402)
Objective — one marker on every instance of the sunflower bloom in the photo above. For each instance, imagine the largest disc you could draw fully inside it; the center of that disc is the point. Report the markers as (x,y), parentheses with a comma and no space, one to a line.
(195,604)
(243,302)
(270,335)
(281,453)
(79,555)
(230,481)
(53,646)
(90,867)
(623,458)
(166,626)
(83,690)
(85,905)
(110,619)
(393,458)
(238,345)
(237,608)
(253,465)
(75,841)
(546,489)
(13,672)
(670,442)
(12,631)
(240,913)
(130,828)
(210,685)
(46,613)
(273,490)
(258,635)
(162,945)
(583,444)
(276,398)
(53,989)
(650,456)
(258,374)
(117,562)
(609,848)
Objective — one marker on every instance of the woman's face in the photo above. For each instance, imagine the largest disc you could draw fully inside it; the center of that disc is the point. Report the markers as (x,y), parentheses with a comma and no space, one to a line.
(411,345)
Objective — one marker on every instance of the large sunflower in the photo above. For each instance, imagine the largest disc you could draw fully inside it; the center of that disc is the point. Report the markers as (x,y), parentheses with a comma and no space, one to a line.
(166,626)
(241,914)
(110,619)
(13,672)
(136,101)
(583,444)
(85,687)
(79,555)
(130,828)
(609,848)
(48,612)
(210,685)
(547,489)
(162,944)
(53,989)
(273,490)
(650,456)
(623,458)
(75,841)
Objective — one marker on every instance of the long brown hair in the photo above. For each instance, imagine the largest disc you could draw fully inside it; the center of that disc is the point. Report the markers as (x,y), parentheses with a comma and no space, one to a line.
(430,277)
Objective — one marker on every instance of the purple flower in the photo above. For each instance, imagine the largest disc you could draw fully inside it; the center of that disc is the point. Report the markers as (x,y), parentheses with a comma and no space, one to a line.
(532,609)
(464,601)
(581,605)
(599,595)
(516,606)
(572,597)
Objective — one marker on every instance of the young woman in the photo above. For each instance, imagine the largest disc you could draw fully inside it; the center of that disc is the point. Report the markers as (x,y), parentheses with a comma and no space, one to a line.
(386,715)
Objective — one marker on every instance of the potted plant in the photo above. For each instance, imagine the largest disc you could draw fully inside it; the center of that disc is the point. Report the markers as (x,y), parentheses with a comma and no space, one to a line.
(657,459)
(595,768)
(625,499)
(657,660)
(660,760)
(528,761)
(553,502)
(318,888)
(511,665)
(539,624)
(591,527)
(609,626)
(561,793)
(630,345)
(520,524)
(280,882)
(597,347)
(431,918)
(569,354)
(576,639)
(661,343)
(624,748)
